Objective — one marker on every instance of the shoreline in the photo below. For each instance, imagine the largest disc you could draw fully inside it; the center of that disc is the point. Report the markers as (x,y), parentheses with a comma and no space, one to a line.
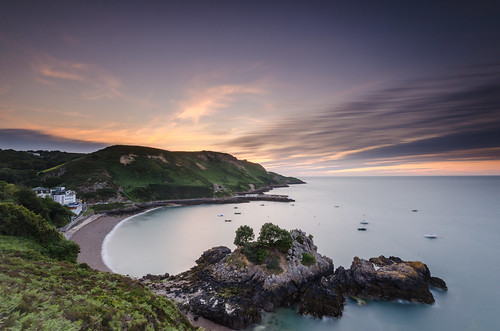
(90,237)
(92,232)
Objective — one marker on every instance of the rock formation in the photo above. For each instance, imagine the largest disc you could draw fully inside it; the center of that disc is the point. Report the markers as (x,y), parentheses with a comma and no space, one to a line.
(228,289)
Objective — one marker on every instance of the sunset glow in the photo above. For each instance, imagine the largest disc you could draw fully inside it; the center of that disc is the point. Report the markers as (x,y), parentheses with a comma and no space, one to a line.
(313,88)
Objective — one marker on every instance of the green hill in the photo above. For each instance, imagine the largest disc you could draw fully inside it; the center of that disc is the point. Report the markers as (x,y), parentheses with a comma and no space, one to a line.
(22,167)
(144,174)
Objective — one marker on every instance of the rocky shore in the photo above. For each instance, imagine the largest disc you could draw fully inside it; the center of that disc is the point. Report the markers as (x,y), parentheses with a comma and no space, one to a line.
(226,288)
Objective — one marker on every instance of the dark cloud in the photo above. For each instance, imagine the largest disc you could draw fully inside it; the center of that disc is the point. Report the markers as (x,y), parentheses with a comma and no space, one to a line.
(435,115)
(20,139)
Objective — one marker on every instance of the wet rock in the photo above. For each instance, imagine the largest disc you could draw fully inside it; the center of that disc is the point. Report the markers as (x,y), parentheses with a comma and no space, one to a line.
(387,279)
(227,289)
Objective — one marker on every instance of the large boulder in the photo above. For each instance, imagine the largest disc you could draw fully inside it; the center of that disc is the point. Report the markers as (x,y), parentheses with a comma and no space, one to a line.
(390,278)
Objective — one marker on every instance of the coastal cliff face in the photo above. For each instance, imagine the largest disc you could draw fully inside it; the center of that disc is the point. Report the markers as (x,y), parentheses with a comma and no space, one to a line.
(228,289)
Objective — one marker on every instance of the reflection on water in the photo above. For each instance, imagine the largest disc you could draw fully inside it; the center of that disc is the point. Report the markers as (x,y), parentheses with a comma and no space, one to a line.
(462,211)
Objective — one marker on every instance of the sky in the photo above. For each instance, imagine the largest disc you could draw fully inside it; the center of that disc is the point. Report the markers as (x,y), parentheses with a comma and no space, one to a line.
(305,88)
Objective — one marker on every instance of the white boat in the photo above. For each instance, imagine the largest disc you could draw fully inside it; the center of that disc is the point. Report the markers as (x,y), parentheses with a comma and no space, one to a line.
(430,236)
(363,222)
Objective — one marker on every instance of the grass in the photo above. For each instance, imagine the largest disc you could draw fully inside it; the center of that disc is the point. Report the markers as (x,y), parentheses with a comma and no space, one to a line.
(308,259)
(40,293)
(155,174)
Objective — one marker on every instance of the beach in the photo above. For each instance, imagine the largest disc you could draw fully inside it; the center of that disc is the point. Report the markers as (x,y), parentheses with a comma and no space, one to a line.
(90,236)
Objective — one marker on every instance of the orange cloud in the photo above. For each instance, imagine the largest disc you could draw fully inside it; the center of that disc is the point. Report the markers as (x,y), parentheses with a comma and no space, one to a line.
(208,101)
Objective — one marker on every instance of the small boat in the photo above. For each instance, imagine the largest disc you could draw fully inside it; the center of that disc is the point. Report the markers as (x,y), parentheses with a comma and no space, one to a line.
(227,220)
(414,210)
(235,207)
(237,213)
(361,229)
(262,204)
(363,222)
(220,215)
(430,236)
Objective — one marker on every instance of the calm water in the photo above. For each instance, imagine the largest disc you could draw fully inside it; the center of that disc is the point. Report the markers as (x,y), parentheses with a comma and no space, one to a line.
(463,211)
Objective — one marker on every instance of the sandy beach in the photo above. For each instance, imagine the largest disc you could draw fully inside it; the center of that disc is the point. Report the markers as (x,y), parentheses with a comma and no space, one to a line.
(91,236)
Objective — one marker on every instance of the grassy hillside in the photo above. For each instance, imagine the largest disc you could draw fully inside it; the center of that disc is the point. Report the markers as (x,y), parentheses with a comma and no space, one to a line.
(142,173)
(21,167)
(39,293)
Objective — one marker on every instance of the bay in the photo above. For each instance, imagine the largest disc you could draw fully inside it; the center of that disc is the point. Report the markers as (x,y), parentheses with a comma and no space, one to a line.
(463,212)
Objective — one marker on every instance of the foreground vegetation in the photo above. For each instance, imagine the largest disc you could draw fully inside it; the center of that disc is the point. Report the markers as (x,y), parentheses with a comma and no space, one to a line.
(43,288)
(40,293)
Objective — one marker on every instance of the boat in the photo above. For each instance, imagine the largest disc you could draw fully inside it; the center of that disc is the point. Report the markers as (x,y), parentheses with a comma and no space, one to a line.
(227,220)
(237,213)
(262,204)
(414,210)
(430,236)
(361,229)
(220,215)
(363,222)
(235,207)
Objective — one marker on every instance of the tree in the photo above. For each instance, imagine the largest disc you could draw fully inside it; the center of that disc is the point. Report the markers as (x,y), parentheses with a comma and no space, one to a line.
(244,235)
(273,236)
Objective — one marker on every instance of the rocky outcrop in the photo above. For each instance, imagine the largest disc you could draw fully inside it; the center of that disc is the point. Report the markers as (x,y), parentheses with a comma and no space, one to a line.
(384,278)
(228,289)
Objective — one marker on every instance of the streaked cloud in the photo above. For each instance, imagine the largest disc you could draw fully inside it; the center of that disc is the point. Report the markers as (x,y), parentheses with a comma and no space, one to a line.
(434,115)
(96,82)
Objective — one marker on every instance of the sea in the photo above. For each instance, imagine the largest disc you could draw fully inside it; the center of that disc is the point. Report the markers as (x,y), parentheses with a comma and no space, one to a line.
(463,212)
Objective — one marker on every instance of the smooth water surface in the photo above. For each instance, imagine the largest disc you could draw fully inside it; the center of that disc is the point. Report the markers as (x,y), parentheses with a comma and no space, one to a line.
(463,211)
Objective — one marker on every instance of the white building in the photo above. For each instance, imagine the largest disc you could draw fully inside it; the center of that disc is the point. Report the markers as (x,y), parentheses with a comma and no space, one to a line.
(59,194)
(42,192)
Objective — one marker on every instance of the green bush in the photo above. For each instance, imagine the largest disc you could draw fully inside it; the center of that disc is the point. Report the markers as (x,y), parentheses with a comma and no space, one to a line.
(244,235)
(255,253)
(273,236)
(18,221)
(308,259)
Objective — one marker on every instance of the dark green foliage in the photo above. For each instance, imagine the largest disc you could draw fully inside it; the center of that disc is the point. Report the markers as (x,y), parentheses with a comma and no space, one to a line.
(255,253)
(273,264)
(244,235)
(300,240)
(55,213)
(308,259)
(59,215)
(39,293)
(18,221)
(273,236)
(20,167)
